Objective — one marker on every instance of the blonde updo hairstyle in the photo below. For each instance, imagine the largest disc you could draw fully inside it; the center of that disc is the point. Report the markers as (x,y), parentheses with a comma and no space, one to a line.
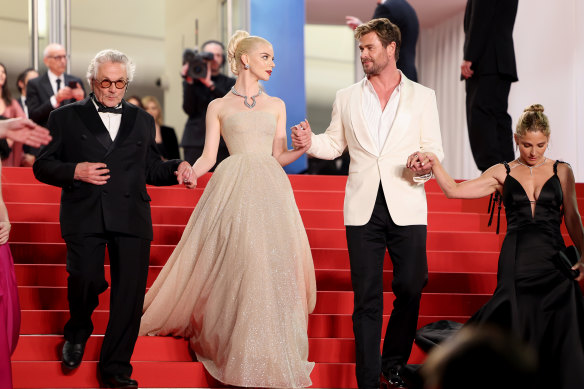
(241,43)
(533,120)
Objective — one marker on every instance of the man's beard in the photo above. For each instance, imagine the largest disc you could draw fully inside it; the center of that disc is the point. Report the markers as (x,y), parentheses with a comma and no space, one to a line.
(374,68)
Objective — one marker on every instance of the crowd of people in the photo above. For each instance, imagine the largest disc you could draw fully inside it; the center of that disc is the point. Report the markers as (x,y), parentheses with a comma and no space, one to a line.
(103,148)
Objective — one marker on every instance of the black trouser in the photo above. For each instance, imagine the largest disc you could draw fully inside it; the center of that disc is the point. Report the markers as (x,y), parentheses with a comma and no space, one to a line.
(129,257)
(489,124)
(407,248)
(193,153)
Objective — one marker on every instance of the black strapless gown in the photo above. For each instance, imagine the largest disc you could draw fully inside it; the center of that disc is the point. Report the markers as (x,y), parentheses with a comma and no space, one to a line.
(533,298)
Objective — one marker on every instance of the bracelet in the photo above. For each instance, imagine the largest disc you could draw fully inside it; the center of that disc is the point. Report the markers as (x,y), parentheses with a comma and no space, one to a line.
(212,86)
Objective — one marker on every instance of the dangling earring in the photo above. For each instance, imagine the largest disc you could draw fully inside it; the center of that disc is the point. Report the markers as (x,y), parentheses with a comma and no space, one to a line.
(246,66)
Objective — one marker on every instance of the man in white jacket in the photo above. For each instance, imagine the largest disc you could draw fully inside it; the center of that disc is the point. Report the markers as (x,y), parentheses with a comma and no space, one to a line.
(382,120)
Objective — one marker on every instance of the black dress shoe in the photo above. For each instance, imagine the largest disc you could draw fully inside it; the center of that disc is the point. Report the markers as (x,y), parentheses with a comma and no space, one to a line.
(72,354)
(394,379)
(119,381)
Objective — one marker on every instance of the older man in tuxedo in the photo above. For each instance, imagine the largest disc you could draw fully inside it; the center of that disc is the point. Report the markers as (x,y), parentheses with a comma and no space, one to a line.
(381,120)
(102,155)
(53,89)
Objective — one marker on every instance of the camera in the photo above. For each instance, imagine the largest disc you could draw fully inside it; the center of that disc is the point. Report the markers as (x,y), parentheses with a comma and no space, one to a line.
(197,63)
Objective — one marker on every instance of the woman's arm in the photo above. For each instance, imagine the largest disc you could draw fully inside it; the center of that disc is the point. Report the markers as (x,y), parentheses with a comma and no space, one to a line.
(571,214)
(487,183)
(280,146)
(212,136)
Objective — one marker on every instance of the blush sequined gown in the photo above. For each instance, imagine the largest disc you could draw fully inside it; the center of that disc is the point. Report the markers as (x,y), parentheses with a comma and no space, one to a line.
(240,283)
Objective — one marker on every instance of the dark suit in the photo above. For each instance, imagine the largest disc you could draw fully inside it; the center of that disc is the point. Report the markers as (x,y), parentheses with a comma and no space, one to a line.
(488,44)
(115,215)
(38,93)
(196,98)
(403,15)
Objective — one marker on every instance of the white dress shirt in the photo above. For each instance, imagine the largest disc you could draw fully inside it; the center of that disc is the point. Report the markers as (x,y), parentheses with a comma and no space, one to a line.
(379,121)
(110,120)
(53,80)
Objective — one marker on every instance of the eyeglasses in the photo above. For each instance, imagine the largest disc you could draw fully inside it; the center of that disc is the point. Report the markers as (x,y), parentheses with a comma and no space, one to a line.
(58,57)
(120,84)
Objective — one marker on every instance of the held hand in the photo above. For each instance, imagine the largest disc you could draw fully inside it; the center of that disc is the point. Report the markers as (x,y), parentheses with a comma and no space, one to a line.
(353,22)
(420,163)
(95,173)
(26,131)
(302,135)
(77,92)
(4,232)
(465,69)
(184,174)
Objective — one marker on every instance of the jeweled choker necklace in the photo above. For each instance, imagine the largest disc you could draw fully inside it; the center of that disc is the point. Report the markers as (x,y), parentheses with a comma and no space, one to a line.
(531,167)
(253,101)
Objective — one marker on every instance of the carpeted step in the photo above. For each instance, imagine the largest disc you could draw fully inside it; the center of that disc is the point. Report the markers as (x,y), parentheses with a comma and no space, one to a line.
(326,279)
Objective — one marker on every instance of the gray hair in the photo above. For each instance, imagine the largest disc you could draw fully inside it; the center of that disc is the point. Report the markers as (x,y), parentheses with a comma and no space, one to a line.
(110,55)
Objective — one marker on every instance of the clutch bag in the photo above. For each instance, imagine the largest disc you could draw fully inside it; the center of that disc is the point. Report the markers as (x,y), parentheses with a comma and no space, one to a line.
(567,258)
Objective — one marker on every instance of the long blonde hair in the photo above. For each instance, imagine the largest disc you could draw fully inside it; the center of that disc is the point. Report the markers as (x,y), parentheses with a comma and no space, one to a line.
(241,43)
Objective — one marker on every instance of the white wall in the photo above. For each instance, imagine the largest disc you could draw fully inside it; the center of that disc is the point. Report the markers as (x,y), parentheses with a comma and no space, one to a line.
(549,48)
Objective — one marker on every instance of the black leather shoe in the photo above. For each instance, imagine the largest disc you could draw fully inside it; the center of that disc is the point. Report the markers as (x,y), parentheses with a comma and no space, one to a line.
(119,381)
(72,354)
(394,380)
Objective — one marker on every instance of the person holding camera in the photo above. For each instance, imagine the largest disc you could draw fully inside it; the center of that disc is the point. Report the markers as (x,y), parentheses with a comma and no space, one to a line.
(53,89)
(203,83)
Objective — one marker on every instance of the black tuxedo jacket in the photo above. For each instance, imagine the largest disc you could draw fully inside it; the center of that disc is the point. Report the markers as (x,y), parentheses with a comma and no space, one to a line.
(488,37)
(122,205)
(38,94)
(403,15)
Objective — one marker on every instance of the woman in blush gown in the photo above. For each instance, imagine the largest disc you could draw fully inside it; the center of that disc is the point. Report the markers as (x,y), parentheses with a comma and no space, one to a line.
(534,299)
(9,306)
(240,283)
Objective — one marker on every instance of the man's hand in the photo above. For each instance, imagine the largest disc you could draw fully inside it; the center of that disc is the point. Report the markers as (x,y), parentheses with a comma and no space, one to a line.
(185,175)
(353,22)
(420,163)
(77,93)
(465,69)
(207,79)
(95,173)
(301,135)
(24,131)
(4,232)
(64,93)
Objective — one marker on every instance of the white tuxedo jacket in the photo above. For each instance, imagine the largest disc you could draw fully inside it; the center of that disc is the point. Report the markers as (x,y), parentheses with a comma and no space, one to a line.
(415,128)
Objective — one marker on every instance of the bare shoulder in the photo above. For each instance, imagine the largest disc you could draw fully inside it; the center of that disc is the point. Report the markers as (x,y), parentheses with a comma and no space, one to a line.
(565,173)
(497,172)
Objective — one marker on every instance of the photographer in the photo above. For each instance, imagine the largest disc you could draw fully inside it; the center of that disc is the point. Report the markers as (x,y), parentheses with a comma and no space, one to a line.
(198,92)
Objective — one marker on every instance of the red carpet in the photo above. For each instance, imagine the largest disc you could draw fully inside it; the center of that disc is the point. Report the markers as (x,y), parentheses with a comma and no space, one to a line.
(462,256)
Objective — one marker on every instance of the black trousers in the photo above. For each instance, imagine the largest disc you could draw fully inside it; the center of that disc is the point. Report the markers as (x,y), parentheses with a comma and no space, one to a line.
(193,153)
(129,257)
(407,249)
(489,124)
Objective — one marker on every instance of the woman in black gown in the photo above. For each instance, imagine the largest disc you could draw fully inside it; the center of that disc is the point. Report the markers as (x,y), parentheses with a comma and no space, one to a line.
(534,299)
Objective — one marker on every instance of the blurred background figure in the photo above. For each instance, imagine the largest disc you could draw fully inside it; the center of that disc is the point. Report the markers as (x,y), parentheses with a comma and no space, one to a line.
(480,358)
(136,100)
(21,83)
(10,152)
(197,94)
(402,14)
(489,68)
(166,141)
(53,89)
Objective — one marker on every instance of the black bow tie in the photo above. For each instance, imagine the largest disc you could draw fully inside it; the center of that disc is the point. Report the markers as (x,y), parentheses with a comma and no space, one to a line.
(103,108)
